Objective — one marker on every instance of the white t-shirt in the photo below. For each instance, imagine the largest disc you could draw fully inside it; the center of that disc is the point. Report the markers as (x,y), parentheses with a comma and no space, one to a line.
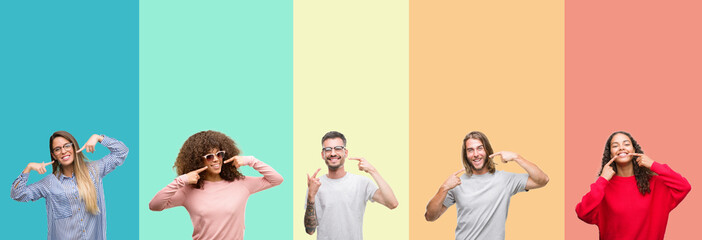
(340,205)
(482,202)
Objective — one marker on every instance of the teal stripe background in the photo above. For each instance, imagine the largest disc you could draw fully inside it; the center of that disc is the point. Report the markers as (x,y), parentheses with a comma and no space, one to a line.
(224,66)
(68,65)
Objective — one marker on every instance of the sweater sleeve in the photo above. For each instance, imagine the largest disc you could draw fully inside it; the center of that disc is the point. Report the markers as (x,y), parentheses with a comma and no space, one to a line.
(270,177)
(170,196)
(679,186)
(588,209)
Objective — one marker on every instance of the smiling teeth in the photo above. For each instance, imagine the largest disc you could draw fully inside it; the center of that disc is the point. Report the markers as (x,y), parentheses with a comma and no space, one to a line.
(65,158)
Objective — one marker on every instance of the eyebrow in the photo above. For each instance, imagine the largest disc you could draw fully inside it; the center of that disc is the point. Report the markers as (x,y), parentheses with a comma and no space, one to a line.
(475,147)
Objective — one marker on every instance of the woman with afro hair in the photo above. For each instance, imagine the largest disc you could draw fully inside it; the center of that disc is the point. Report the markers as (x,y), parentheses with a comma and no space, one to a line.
(633,195)
(210,186)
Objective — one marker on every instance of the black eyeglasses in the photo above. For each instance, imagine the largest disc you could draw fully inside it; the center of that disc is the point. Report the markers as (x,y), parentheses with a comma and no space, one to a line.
(211,157)
(337,148)
(66,147)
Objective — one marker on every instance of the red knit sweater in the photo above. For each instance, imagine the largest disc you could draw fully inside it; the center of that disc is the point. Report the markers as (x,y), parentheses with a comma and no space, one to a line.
(621,212)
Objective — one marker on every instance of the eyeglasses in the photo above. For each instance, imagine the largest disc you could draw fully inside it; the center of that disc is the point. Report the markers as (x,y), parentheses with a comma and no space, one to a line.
(211,157)
(337,148)
(67,147)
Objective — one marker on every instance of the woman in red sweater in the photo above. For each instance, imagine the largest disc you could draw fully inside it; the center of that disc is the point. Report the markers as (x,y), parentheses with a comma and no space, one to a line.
(633,195)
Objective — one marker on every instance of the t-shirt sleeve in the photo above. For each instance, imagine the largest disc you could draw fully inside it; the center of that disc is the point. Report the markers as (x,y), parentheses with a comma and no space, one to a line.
(450,198)
(516,182)
(370,189)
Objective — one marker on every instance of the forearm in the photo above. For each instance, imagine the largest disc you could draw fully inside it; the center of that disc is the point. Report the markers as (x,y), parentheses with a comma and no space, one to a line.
(166,197)
(269,174)
(535,173)
(435,205)
(22,192)
(588,208)
(310,216)
(386,193)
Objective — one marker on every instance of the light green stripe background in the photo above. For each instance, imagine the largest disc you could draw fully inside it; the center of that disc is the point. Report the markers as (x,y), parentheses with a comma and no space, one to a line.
(219,65)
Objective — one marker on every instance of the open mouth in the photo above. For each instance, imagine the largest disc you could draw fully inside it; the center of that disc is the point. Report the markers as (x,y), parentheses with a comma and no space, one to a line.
(64,158)
(622,154)
(215,166)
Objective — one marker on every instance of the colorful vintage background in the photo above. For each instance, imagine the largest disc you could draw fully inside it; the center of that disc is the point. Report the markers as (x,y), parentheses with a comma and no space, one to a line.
(404,80)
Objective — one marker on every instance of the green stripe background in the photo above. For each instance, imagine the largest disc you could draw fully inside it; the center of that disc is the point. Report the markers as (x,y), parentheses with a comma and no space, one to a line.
(219,65)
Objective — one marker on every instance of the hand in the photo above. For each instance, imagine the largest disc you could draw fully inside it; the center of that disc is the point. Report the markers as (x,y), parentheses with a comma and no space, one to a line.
(364,165)
(313,184)
(454,180)
(194,176)
(607,170)
(643,160)
(506,156)
(238,161)
(38,167)
(89,146)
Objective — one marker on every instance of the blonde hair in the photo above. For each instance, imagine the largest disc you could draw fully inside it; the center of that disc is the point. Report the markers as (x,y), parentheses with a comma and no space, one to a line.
(81,169)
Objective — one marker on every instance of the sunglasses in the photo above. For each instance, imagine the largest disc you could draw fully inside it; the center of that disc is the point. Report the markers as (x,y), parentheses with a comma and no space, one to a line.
(211,157)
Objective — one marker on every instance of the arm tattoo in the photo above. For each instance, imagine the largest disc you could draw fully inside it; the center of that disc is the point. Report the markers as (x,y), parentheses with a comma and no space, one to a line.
(310,218)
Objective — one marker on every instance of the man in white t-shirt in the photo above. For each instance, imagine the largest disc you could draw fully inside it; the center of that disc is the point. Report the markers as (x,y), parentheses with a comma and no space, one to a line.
(482,194)
(336,201)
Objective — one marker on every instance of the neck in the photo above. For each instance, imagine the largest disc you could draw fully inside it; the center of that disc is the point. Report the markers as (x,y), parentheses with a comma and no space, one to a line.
(336,173)
(213,177)
(67,170)
(625,169)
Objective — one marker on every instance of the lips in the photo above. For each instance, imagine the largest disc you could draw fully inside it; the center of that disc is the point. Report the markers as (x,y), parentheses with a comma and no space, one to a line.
(215,166)
(622,154)
(64,158)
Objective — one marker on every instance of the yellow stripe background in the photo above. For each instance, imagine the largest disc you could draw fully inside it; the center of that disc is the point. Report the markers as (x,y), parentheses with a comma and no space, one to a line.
(351,75)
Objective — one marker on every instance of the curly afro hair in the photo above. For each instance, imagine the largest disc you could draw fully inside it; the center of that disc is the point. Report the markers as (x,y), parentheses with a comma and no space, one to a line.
(200,144)
(642,174)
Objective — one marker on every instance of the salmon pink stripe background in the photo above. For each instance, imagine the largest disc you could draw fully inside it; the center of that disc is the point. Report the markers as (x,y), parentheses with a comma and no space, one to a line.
(633,66)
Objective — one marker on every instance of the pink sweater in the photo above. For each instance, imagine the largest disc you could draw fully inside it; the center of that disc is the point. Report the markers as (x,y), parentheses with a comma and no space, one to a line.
(217,210)
(621,212)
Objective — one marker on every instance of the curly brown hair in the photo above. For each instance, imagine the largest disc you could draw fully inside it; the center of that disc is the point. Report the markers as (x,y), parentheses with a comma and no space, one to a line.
(642,174)
(198,145)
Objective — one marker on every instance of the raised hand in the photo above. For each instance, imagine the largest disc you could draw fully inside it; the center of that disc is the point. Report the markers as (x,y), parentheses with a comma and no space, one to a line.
(643,160)
(364,165)
(313,184)
(194,176)
(238,161)
(453,180)
(607,170)
(506,156)
(38,167)
(89,146)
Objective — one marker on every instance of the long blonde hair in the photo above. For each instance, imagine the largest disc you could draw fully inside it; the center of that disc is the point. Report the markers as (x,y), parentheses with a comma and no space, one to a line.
(81,169)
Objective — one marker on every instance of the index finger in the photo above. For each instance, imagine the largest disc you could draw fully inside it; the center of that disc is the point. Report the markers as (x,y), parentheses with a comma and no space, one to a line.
(636,154)
(201,169)
(458,173)
(357,159)
(81,149)
(47,164)
(495,154)
(229,160)
(315,173)
(610,161)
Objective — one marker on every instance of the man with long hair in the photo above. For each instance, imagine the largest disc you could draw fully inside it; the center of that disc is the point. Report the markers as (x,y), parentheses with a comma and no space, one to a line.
(482,194)
(336,201)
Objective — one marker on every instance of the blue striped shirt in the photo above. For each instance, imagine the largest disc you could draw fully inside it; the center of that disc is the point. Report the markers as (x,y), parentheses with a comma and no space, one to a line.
(66,214)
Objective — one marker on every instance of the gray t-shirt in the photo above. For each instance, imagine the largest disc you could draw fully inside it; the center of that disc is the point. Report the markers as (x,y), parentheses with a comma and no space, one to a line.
(482,202)
(340,205)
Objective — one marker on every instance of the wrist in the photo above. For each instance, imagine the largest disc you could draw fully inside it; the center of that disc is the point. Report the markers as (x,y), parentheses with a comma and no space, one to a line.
(310,199)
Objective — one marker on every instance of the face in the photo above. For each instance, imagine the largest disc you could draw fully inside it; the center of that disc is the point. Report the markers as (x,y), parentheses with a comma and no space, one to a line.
(214,166)
(334,158)
(58,150)
(475,151)
(621,146)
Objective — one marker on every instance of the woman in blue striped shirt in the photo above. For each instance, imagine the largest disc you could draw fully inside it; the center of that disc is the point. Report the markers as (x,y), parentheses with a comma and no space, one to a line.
(74,195)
